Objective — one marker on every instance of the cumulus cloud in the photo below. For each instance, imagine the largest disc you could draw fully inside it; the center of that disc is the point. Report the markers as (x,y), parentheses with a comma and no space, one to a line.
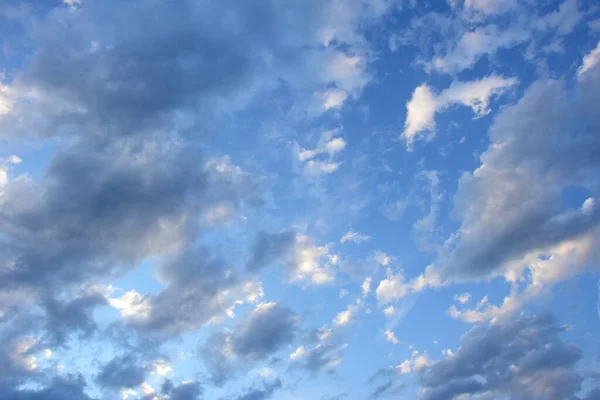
(188,390)
(304,261)
(395,286)
(122,372)
(262,332)
(511,206)
(424,103)
(521,358)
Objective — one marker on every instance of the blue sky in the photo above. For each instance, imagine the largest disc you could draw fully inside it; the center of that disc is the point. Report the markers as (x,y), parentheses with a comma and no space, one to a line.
(328,199)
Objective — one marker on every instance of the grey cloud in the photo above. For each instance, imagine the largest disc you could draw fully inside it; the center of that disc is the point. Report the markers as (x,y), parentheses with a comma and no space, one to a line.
(101,68)
(194,283)
(322,358)
(122,372)
(184,391)
(269,248)
(512,204)
(261,394)
(102,209)
(66,317)
(65,388)
(262,332)
(521,358)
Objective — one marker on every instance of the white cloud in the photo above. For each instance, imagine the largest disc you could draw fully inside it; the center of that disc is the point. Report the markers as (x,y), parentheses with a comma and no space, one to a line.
(391,337)
(590,60)
(463,298)
(161,367)
(328,144)
(477,43)
(366,286)
(313,263)
(424,103)
(300,351)
(420,113)
(382,258)
(389,311)
(395,286)
(415,363)
(316,168)
(5,164)
(132,304)
(5,99)
(343,318)
(334,99)
(355,237)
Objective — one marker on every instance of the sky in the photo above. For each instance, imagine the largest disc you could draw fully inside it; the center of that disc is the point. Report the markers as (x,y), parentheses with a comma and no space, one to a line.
(299,200)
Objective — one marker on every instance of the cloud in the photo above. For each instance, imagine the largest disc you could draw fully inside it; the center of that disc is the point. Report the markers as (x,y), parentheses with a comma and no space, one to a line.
(355,237)
(192,278)
(511,206)
(463,298)
(390,336)
(395,286)
(328,144)
(388,388)
(590,61)
(424,103)
(261,394)
(122,372)
(521,358)
(324,357)
(476,29)
(334,99)
(345,317)
(60,388)
(269,248)
(89,217)
(262,332)
(302,259)
(491,6)
(366,287)
(185,391)
(66,317)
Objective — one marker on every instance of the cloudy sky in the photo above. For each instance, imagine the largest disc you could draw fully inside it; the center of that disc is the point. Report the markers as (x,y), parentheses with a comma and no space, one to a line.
(299,200)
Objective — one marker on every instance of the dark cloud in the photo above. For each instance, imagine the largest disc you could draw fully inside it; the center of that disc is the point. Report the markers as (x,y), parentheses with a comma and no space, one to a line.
(102,208)
(184,391)
(101,68)
(269,248)
(66,317)
(262,332)
(64,388)
(122,372)
(522,358)
(261,394)
(513,203)
(127,92)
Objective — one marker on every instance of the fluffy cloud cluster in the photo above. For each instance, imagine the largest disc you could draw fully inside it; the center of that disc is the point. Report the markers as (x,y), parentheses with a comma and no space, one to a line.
(518,358)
